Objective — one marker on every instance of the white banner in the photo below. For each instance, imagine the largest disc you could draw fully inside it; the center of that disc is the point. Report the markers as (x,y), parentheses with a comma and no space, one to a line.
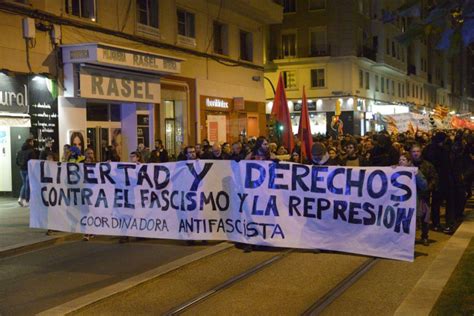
(368,211)
(414,121)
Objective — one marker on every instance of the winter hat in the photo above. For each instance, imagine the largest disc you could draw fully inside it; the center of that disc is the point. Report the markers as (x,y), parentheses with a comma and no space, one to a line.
(318,149)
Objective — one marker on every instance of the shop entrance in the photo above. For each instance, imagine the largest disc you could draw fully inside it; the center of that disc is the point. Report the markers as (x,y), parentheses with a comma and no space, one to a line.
(103,129)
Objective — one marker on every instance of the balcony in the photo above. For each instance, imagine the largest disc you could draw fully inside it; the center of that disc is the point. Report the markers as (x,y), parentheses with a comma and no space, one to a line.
(367,52)
(320,52)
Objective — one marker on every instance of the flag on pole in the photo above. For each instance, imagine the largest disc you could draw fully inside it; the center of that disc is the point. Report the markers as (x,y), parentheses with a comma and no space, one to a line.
(281,115)
(304,130)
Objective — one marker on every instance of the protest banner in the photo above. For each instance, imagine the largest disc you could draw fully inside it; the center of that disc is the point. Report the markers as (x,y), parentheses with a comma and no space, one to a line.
(410,121)
(364,210)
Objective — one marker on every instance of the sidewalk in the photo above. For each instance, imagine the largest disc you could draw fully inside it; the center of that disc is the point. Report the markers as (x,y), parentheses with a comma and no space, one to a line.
(15,233)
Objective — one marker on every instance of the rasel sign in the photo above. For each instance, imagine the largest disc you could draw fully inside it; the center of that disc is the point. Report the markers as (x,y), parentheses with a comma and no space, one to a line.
(119,86)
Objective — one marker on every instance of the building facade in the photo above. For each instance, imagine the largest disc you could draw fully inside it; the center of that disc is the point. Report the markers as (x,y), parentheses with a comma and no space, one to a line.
(344,50)
(126,72)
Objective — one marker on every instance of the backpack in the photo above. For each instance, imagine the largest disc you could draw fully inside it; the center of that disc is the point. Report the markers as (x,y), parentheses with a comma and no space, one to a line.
(22,159)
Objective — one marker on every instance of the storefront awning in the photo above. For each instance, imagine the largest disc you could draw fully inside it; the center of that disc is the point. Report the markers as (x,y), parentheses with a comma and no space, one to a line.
(15,120)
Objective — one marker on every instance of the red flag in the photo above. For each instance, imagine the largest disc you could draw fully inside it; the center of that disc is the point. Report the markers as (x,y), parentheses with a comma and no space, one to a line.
(282,115)
(304,130)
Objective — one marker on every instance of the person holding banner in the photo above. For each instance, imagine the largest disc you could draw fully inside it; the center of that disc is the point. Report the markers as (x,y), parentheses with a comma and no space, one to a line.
(422,210)
(429,173)
(90,158)
(261,150)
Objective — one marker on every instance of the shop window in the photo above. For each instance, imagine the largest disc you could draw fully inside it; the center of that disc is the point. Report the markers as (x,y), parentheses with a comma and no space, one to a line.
(317,4)
(388,86)
(361,79)
(147,13)
(115,113)
(97,112)
(101,112)
(288,45)
(289,79)
(377,83)
(399,89)
(220,38)
(403,90)
(246,46)
(382,84)
(317,78)
(186,25)
(421,93)
(393,87)
(82,8)
(318,38)
(367,80)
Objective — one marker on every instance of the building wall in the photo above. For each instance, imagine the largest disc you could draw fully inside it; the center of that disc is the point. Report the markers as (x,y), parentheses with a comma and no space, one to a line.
(116,24)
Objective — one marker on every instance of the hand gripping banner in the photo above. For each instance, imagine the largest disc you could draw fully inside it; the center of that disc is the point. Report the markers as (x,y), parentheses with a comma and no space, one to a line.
(363,210)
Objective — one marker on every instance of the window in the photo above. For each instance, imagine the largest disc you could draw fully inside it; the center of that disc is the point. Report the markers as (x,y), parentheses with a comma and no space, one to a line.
(289,78)
(318,41)
(289,6)
(367,81)
(402,53)
(186,23)
(394,53)
(361,79)
(317,4)
(421,93)
(377,83)
(288,45)
(416,92)
(408,89)
(393,87)
(220,38)
(82,8)
(246,46)
(147,12)
(382,84)
(403,90)
(317,78)
(387,46)
(399,89)
(388,86)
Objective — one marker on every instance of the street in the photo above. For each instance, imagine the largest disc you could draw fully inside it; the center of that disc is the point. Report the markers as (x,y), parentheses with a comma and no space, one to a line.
(288,282)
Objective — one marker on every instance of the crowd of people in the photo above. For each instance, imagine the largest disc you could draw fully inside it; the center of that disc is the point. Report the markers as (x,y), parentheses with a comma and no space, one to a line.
(445,161)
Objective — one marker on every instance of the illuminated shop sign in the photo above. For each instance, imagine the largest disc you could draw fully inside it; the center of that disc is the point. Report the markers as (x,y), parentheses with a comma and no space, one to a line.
(217,103)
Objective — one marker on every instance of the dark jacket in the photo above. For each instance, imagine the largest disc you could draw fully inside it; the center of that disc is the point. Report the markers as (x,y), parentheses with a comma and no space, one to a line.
(158,156)
(384,154)
(44,153)
(237,157)
(429,173)
(26,153)
(439,158)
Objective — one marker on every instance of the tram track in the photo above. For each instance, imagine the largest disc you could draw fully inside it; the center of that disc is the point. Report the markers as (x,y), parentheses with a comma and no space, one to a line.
(315,309)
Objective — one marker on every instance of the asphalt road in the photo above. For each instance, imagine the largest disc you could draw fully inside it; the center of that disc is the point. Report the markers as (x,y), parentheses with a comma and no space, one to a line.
(39,280)
(287,287)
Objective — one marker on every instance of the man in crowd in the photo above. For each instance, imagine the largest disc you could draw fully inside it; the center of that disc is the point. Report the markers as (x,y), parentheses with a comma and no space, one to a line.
(429,173)
(159,154)
(48,149)
(238,153)
(26,153)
